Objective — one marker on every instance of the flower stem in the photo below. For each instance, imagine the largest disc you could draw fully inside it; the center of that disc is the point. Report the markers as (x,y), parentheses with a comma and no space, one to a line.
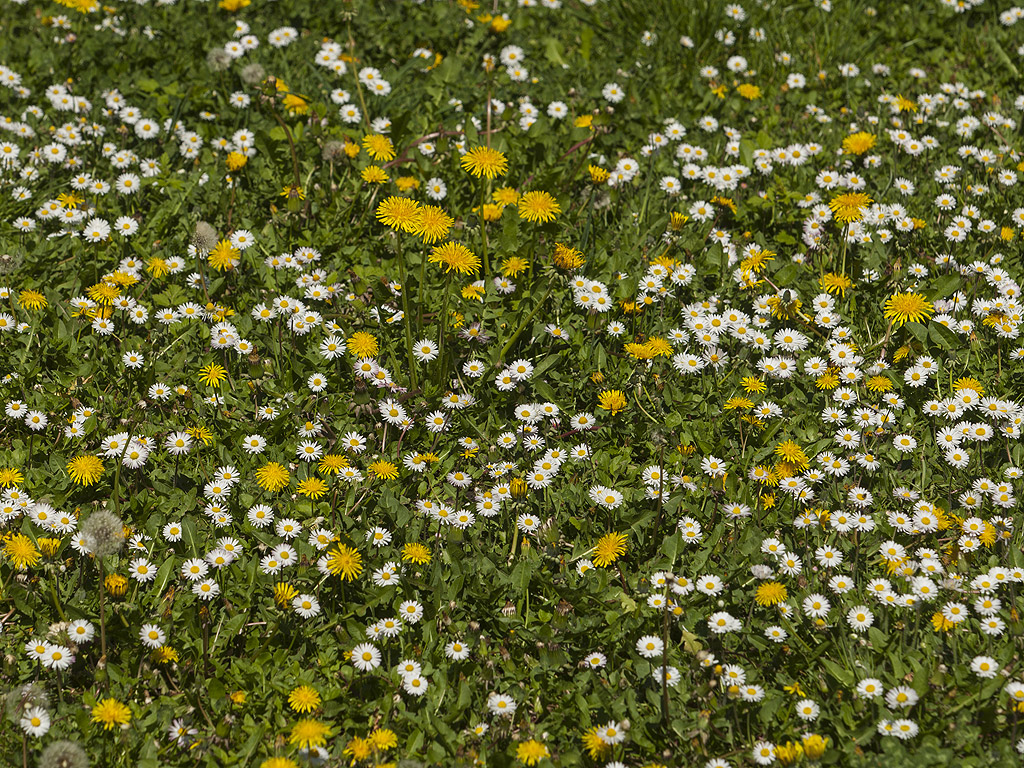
(483,231)
(444,322)
(406,319)
(103,616)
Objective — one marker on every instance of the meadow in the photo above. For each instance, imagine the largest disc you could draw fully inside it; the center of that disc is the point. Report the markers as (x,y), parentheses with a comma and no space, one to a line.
(585,383)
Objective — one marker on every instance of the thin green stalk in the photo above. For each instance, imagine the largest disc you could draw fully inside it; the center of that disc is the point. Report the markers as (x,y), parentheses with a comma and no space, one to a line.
(444,322)
(406,319)
(103,615)
(483,231)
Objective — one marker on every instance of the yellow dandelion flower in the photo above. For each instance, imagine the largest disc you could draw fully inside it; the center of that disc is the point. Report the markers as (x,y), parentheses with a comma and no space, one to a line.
(103,293)
(384,739)
(373,174)
(968,382)
(738,404)
(116,584)
(609,548)
(224,256)
(406,183)
(473,292)
(212,374)
(295,104)
(505,196)
(363,344)
(344,561)
(201,433)
(903,104)
(455,257)
(513,266)
(770,593)
(748,91)
(85,469)
(792,453)
(568,258)
(379,147)
(901,308)
(611,400)
(658,346)
(358,749)
(284,593)
(594,746)
(69,200)
(21,551)
(399,213)
(417,553)
(309,733)
(677,220)
(332,464)
(157,267)
(111,713)
(484,161)
(165,654)
(538,206)
(312,488)
(827,381)
(788,753)
(849,206)
(49,545)
(303,699)
(753,385)
(383,470)
(433,224)
(235,161)
(531,752)
(814,746)
(879,384)
(33,300)
(858,143)
(272,476)
(835,283)
(10,476)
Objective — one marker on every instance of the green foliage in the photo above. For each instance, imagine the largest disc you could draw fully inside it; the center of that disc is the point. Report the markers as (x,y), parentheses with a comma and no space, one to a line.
(635,422)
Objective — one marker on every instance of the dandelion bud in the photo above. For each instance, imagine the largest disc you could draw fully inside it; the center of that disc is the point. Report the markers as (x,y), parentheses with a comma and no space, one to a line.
(103,533)
(63,754)
(205,237)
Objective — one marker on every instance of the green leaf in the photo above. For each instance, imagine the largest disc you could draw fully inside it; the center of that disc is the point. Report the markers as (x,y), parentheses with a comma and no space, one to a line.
(942,337)
(840,673)
(586,38)
(945,286)
(919,331)
(553,51)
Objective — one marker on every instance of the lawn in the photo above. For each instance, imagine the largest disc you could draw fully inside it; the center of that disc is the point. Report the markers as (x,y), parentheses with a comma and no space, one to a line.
(585,383)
